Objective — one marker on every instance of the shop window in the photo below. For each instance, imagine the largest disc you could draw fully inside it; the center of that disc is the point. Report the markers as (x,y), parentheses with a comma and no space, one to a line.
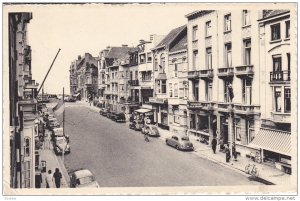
(247,91)
(228,56)
(287,100)
(246,18)
(163,87)
(203,123)
(208,58)
(275,32)
(247,52)
(277,97)
(287,29)
(208,28)
(195,33)
(227,22)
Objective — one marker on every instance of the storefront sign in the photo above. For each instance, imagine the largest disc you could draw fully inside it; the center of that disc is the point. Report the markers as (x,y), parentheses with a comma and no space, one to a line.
(156,100)
(194,105)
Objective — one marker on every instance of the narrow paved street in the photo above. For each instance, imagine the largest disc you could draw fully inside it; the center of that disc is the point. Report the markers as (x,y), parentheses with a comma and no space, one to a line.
(119,157)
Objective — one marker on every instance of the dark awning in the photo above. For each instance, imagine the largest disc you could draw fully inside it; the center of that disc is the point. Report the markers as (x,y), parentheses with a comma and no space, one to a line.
(273,140)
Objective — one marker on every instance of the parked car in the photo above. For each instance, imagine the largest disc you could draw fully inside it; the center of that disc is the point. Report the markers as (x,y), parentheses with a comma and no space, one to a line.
(53,123)
(59,132)
(83,178)
(151,130)
(180,142)
(108,114)
(136,125)
(61,145)
(119,117)
(103,111)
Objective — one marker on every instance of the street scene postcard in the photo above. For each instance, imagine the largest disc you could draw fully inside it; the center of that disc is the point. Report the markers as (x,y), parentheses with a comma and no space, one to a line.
(150,99)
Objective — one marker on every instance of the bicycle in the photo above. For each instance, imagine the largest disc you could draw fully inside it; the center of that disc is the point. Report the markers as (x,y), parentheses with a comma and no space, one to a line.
(251,169)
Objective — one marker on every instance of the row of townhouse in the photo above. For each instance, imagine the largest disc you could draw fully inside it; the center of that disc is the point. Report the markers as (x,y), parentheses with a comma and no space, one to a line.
(23,122)
(224,74)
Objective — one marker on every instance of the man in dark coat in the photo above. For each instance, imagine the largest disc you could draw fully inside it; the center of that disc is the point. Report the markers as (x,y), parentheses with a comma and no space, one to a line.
(214,144)
(57,177)
(227,153)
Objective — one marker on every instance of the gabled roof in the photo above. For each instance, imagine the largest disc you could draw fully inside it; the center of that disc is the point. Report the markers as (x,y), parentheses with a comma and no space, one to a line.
(170,37)
(271,13)
(181,44)
(118,52)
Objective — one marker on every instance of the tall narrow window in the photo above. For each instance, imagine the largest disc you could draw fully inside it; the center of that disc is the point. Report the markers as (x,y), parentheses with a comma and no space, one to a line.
(208,91)
(170,90)
(196,91)
(289,66)
(287,29)
(226,92)
(155,64)
(195,59)
(246,18)
(162,64)
(163,87)
(247,91)
(277,97)
(208,28)
(195,33)
(149,57)
(287,100)
(136,75)
(277,63)
(208,58)
(251,131)
(275,32)
(192,121)
(175,90)
(247,52)
(27,147)
(227,22)
(175,70)
(142,58)
(228,56)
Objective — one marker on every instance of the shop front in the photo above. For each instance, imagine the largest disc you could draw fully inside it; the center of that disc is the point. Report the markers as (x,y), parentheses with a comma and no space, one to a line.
(160,109)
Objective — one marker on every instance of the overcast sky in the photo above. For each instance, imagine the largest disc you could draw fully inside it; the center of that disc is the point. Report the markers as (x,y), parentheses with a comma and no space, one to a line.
(77,29)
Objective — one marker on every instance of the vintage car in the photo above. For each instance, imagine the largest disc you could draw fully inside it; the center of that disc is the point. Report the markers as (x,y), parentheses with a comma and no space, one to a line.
(83,178)
(180,142)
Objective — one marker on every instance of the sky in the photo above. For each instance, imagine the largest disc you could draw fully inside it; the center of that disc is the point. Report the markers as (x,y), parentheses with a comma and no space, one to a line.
(77,29)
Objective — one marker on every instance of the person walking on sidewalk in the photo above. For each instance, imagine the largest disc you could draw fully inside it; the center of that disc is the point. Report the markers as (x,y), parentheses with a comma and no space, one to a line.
(214,144)
(227,153)
(49,179)
(57,177)
(234,153)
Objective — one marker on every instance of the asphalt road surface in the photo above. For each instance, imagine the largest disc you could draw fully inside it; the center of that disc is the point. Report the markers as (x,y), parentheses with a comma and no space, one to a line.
(119,156)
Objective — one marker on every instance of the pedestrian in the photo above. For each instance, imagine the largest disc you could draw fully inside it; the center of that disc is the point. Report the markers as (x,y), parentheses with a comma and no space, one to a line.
(57,177)
(234,153)
(49,179)
(214,144)
(221,143)
(38,179)
(227,153)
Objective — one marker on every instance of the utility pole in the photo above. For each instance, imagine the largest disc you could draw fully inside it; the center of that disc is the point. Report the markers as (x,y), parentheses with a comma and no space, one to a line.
(63,99)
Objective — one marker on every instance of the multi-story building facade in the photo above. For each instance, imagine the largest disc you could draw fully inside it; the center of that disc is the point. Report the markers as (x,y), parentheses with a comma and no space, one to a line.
(73,79)
(102,76)
(275,59)
(161,62)
(178,83)
(23,105)
(87,76)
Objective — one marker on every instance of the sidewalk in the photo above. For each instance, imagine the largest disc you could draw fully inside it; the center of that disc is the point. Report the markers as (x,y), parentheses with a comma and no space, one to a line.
(267,174)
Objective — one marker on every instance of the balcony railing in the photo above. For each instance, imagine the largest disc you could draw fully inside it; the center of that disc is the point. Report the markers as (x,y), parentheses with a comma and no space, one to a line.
(193,74)
(280,76)
(246,71)
(226,72)
(225,107)
(207,105)
(206,74)
(246,109)
(133,82)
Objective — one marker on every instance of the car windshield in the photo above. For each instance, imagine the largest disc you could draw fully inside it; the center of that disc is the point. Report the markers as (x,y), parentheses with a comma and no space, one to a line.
(85,180)
(185,138)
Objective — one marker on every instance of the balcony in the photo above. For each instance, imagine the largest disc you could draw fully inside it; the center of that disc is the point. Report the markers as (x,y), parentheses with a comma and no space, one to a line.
(246,109)
(206,74)
(280,76)
(133,82)
(225,107)
(278,117)
(207,105)
(193,74)
(244,71)
(224,73)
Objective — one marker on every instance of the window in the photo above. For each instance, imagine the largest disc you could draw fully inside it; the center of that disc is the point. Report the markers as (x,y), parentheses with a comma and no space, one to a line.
(163,87)
(155,64)
(203,123)
(136,75)
(227,22)
(277,63)
(170,90)
(149,57)
(228,57)
(208,91)
(226,92)
(275,32)
(287,100)
(247,52)
(175,90)
(237,129)
(175,70)
(195,33)
(208,58)
(146,75)
(27,147)
(208,28)
(196,91)
(26,181)
(247,91)
(192,121)
(131,77)
(195,59)
(185,90)
(142,58)
(246,18)
(287,29)
(251,133)
(176,114)
(162,64)
(277,97)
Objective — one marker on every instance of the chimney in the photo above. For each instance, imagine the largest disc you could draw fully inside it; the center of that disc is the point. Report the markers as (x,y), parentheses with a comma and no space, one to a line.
(124,45)
(151,37)
(79,57)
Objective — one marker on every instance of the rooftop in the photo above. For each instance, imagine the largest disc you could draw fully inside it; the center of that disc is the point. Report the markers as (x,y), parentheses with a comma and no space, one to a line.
(171,36)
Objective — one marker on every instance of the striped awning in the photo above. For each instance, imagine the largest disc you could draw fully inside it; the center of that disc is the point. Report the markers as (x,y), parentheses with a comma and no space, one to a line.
(273,140)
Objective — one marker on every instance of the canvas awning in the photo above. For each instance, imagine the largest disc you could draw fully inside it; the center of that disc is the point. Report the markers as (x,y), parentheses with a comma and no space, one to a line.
(142,110)
(273,140)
